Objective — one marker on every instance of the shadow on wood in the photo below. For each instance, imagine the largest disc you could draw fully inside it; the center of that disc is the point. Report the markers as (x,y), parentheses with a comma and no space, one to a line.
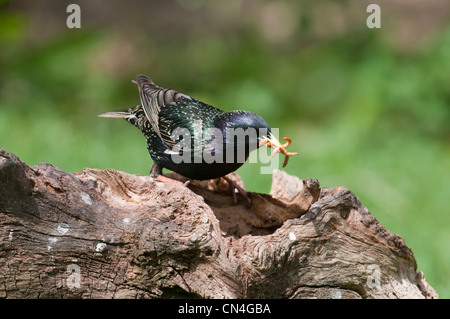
(108,234)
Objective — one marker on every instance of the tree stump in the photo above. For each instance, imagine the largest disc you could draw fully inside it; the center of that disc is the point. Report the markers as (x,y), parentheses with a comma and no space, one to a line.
(109,234)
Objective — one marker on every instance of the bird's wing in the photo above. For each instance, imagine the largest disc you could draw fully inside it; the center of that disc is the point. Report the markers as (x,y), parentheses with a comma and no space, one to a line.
(155,98)
(191,116)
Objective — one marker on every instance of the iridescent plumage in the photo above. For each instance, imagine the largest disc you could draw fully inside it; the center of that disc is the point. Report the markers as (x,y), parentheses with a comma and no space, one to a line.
(164,111)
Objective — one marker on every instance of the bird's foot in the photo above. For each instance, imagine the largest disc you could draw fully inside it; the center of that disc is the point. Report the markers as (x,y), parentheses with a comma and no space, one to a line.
(232,186)
(164,179)
(156,174)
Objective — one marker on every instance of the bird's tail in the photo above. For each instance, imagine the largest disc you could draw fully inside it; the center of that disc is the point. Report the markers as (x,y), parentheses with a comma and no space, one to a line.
(122,114)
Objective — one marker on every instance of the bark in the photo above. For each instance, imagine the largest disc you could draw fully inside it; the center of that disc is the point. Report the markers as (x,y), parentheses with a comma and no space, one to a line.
(109,234)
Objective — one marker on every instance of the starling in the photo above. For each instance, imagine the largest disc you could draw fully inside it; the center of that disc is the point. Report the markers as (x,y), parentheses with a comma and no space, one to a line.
(194,139)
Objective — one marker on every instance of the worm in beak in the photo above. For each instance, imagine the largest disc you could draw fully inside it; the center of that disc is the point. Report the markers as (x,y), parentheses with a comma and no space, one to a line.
(278,147)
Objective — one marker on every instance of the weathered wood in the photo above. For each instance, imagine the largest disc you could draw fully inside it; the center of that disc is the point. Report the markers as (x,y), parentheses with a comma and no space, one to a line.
(108,234)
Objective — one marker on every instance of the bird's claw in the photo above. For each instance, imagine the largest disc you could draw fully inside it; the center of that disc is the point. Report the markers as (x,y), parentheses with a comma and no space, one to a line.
(164,179)
(233,187)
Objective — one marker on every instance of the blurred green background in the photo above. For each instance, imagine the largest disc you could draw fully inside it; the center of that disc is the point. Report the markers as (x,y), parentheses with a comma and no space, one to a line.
(366,108)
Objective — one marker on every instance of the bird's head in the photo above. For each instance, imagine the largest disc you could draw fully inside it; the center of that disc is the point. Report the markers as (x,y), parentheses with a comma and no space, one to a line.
(256,132)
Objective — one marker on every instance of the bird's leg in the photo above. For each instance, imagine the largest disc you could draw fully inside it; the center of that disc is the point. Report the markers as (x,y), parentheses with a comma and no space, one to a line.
(155,171)
(233,187)
(156,174)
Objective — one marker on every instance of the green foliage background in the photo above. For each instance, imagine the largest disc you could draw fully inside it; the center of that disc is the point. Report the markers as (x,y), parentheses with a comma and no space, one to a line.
(362,110)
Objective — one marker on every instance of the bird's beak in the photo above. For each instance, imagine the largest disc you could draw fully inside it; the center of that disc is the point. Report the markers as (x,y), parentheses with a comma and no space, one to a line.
(273,142)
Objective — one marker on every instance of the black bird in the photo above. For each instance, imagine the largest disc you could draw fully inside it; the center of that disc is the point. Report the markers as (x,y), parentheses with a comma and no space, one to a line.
(195,139)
